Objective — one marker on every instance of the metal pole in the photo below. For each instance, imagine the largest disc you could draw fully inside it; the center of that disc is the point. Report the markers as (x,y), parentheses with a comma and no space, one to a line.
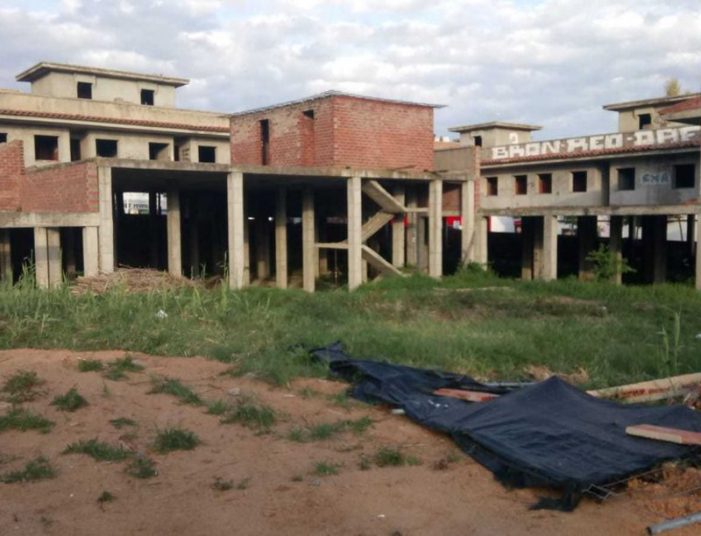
(674,523)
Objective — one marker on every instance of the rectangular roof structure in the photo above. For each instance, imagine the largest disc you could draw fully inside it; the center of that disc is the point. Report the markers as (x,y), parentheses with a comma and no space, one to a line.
(656,101)
(495,124)
(43,68)
(333,93)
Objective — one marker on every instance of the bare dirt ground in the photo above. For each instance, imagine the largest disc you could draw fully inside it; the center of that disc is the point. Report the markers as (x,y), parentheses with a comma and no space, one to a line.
(446,494)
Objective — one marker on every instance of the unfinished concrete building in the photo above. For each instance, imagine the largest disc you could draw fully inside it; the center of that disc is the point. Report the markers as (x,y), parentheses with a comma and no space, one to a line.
(99,169)
(630,190)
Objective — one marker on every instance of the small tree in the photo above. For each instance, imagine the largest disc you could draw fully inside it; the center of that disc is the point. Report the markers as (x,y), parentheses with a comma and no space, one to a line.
(672,88)
(607,264)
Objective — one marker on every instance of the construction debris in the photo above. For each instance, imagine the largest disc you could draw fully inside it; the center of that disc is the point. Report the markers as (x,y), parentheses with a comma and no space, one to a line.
(672,435)
(674,523)
(130,280)
(469,396)
(650,391)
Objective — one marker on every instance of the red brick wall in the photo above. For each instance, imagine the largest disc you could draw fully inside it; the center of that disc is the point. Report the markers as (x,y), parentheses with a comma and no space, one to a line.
(376,134)
(345,131)
(61,188)
(11,174)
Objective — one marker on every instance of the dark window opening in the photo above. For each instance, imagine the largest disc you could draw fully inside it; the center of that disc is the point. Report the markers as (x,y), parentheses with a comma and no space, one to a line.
(492,186)
(478,141)
(147,96)
(521,184)
(158,151)
(644,120)
(309,114)
(84,90)
(626,178)
(46,147)
(206,154)
(684,176)
(265,141)
(545,183)
(3,137)
(579,181)
(106,148)
(75,149)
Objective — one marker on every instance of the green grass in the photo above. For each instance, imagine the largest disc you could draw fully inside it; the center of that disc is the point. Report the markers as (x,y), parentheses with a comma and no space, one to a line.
(90,365)
(326,468)
(23,419)
(22,386)
(251,414)
(118,368)
(105,497)
(172,439)
(217,407)
(71,401)
(141,467)
(320,432)
(471,323)
(37,469)
(175,388)
(122,422)
(103,452)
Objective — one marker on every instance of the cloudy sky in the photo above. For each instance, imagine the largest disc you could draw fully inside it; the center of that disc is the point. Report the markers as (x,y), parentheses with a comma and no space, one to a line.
(549,62)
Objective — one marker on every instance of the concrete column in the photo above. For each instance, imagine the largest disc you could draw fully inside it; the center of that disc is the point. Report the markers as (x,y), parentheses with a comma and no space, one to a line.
(412,258)
(399,231)
(106,232)
(467,211)
(698,253)
(616,245)
(549,262)
(435,228)
(690,234)
(281,238)
(659,249)
(41,257)
(322,266)
(537,248)
(262,230)
(69,252)
(91,263)
(309,258)
(175,259)
(53,241)
(481,241)
(235,225)
(246,251)
(355,232)
(586,235)
(527,244)
(421,245)
(5,256)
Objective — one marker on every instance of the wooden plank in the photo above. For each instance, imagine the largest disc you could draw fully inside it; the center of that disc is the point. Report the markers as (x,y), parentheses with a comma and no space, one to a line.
(660,433)
(651,390)
(469,396)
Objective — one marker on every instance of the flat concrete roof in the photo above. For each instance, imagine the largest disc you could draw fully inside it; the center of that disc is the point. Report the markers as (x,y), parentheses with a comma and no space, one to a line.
(330,94)
(686,111)
(655,101)
(43,68)
(496,124)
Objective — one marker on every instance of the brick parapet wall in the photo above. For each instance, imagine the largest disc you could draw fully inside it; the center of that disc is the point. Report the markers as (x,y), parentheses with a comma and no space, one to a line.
(60,188)
(11,174)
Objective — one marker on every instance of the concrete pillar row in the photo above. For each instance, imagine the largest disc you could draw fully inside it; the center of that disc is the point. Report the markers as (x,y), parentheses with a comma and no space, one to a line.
(355,232)
(236,223)
(175,260)
(281,278)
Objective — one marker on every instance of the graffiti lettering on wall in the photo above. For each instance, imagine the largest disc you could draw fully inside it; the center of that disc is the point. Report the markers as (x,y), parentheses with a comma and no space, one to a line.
(654,178)
(602,142)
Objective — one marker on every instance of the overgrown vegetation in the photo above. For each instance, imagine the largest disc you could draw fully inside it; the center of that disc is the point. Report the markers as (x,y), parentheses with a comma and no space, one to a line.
(326,468)
(36,469)
(90,365)
(607,264)
(172,439)
(100,451)
(175,388)
(251,414)
(22,386)
(23,419)
(142,467)
(71,401)
(393,457)
(122,422)
(472,322)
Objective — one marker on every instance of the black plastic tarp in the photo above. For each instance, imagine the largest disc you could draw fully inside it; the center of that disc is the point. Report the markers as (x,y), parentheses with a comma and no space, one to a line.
(546,434)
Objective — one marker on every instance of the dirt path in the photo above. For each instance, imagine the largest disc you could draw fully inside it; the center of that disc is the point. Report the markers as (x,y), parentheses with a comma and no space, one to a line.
(446,494)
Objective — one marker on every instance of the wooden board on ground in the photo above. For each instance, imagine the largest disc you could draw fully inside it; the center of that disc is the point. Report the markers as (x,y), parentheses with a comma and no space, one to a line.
(660,433)
(651,390)
(469,396)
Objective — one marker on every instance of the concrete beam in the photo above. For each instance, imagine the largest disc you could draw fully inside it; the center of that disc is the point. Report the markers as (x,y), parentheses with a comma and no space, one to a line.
(435,228)
(616,245)
(281,279)
(5,256)
(175,258)
(235,226)
(309,256)
(399,230)
(106,232)
(26,220)
(382,197)
(355,230)
(91,261)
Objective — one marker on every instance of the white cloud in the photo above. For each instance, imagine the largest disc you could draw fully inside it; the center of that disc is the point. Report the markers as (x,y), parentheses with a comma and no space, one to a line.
(553,62)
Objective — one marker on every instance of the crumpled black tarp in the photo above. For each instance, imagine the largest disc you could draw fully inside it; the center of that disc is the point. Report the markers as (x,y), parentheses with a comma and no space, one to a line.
(547,434)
